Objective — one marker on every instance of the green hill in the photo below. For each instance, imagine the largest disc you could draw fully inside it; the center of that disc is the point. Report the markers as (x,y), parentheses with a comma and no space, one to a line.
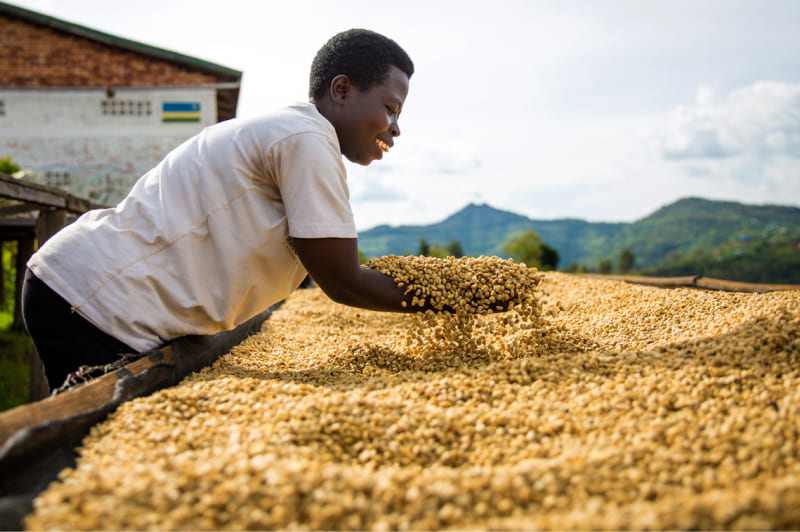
(693,224)
(690,227)
(482,230)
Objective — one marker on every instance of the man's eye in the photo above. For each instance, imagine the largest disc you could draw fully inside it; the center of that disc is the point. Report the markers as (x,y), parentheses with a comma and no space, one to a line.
(391,110)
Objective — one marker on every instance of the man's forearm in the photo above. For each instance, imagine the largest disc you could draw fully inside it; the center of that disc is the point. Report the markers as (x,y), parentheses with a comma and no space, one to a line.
(373,291)
(333,264)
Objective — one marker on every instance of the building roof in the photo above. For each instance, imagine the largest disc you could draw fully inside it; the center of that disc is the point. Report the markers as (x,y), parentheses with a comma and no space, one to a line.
(113,40)
(228,79)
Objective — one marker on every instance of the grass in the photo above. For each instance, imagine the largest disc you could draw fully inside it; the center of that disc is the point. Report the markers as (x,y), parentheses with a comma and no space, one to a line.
(15,354)
(16,347)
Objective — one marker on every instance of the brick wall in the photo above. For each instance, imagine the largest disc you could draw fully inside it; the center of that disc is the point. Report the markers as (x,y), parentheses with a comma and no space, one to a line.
(37,56)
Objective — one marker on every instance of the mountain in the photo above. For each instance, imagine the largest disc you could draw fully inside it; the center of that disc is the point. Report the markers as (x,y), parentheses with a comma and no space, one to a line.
(688,226)
(482,230)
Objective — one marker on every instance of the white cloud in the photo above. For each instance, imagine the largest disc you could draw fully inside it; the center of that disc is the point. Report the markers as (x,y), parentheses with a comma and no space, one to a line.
(743,146)
(544,111)
(422,159)
(757,122)
(371,190)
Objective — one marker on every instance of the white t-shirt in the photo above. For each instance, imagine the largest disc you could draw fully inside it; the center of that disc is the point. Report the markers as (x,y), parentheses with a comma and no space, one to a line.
(200,244)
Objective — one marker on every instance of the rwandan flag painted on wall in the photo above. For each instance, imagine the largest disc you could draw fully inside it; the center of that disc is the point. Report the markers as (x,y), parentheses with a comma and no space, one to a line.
(180,112)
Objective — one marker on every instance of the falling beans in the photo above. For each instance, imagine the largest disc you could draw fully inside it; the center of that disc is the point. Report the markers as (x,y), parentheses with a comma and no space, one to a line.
(466,285)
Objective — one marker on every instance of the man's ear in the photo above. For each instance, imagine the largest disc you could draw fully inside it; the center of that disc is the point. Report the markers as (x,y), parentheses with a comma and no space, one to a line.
(340,88)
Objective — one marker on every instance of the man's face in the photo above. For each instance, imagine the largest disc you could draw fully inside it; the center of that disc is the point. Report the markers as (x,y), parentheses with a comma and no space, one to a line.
(367,124)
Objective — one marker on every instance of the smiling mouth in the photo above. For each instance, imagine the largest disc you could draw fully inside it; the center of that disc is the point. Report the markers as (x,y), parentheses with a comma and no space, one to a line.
(382,145)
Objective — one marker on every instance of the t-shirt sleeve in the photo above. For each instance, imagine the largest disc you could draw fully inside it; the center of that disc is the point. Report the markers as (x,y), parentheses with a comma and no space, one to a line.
(313,185)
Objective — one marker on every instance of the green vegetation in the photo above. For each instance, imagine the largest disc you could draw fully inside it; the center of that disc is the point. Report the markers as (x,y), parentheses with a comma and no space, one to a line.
(692,236)
(528,247)
(8,258)
(7,166)
(691,225)
(757,261)
(452,249)
(483,230)
(15,353)
(15,345)
(729,240)
(574,267)
(625,261)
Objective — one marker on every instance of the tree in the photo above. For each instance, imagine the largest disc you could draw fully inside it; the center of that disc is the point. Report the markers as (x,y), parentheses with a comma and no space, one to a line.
(424,247)
(605,266)
(437,251)
(625,261)
(574,267)
(528,247)
(550,257)
(7,166)
(454,249)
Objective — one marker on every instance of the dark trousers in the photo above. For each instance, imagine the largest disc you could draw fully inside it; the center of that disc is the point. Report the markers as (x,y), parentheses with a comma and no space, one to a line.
(63,338)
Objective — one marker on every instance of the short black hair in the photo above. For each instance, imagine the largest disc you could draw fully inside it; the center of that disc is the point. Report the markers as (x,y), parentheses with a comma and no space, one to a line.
(362,55)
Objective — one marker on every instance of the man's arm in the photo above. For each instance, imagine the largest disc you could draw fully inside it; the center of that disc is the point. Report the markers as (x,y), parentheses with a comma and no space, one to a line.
(333,264)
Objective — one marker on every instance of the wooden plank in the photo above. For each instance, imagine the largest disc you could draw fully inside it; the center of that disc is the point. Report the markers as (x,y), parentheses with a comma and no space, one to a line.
(50,221)
(49,423)
(694,281)
(664,282)
(79,205)
(20,221)
(31,192)
(85,404)
(735,286)
(17,208)
(43,195)
(17,228)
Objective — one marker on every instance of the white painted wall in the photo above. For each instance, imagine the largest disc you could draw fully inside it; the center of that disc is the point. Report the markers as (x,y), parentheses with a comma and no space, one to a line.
(63,135)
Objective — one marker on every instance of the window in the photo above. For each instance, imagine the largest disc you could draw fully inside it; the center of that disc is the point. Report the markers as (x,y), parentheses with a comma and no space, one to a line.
(114,107)
(56,178)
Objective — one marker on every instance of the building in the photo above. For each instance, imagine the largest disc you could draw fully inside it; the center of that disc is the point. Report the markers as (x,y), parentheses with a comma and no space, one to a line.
(90,112)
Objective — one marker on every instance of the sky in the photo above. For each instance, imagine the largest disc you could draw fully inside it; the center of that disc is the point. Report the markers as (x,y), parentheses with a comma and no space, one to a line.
(599,110)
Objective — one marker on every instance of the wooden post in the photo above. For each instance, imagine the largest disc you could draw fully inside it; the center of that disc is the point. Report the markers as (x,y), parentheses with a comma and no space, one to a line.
(37,384)
(53,205)
(50,221)
(24,252)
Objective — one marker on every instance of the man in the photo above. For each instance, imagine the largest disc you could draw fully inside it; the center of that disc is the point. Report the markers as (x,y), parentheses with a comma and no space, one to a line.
(229,223)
